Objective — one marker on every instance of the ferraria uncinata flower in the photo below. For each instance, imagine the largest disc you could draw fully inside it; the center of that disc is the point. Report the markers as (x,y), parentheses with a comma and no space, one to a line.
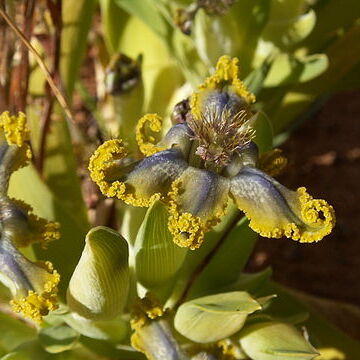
(204,162)
(33,285)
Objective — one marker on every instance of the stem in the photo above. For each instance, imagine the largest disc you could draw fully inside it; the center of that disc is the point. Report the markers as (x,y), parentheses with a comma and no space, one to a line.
(201,267)
(59,96)
(55,12)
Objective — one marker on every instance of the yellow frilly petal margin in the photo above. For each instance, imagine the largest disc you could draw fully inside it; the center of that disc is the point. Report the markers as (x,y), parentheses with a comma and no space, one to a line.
(226,74)
(38,303)
(107,157)
(197,202)
(275,211)
(147,143)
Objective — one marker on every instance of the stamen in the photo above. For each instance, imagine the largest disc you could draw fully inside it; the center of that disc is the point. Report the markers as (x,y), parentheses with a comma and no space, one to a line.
(273,162)
(220,133)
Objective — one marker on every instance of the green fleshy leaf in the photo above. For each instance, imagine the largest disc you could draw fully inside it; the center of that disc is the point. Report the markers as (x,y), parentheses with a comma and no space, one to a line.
(289,69)
(14,332)
(33,351)
(112,331)
(264,132)
(113,21)
(331,342)
(58,338)
(148,12)
(224,314)
(255,80)
(215,36)
(103,348)
(157,257)
(234,252)
(99,286)
(76,17)
(46,205)
(275,341)
(251,17)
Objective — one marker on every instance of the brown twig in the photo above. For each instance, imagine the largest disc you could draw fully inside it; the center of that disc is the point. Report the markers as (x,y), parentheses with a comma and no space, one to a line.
(201,267)
(59,96)
(55,12)
(22,74)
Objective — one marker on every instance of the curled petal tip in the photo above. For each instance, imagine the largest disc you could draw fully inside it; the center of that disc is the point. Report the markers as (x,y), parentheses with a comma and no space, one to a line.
(147,143)
(318,215)
(275,211)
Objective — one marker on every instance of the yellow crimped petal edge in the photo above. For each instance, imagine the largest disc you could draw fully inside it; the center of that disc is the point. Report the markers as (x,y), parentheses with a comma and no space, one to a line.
(15,129)
(227,73)
(146,142)
(41,230)
(315,226)
(180,223)
(34,305)
(101,161)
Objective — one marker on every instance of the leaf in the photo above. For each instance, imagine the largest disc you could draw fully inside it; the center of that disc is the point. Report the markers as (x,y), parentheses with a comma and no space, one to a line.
(234,252)
(76,17)
(157,257)
(289,69)
(46,205)
(105,349)
(264,132)
(329,340)
(148,12)
(113,21)
(112,331)
(224,314)
(215,36)
(14,332)
(251,17)
(275,341)
(58,339)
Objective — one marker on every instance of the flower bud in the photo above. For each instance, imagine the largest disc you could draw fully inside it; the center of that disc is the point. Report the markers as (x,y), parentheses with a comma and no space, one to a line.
(275,341)
(215,317)
(99,286)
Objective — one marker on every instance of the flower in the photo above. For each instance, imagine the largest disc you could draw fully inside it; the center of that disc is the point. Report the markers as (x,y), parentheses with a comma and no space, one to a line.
(204,162)
(33,284)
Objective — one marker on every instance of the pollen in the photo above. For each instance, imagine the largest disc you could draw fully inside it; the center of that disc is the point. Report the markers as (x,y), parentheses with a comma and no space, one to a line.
(15,129)
(187,229)
(220,133)
(34,305)
(106,158)
(145,142)
(273,162)
(226,74)
(40,230)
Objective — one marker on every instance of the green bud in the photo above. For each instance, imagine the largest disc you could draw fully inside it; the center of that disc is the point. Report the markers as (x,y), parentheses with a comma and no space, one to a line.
(99,286)
(157,257)
(276,341)
(215,317)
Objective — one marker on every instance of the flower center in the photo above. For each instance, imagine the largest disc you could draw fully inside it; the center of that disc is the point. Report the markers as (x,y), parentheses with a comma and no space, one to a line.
(222,128)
